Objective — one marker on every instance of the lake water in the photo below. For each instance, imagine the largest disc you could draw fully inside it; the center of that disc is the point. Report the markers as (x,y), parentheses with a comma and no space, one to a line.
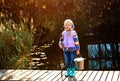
(47,56)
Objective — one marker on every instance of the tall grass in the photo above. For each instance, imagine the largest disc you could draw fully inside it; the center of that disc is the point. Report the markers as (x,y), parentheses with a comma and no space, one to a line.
(15,43)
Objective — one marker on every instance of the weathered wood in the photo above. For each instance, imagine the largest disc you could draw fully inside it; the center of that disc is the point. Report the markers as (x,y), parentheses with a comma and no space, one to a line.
(119,77)
(115,76)
(55,75)
(16,76)
(24,76)
(4,72)
(59,76)
(10,75)
(110,75)
(82,75)
(40,73)
(48,76)
(43,76)
(62,77)
(78,74)
(87,75)
(31,75)
(98,76)
(92,76)
(104,76)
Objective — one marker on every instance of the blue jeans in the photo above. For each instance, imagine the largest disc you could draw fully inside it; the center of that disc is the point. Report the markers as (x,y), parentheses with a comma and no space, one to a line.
(69,57)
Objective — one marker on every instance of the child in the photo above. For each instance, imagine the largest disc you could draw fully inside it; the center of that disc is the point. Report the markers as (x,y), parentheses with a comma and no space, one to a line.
(70,44)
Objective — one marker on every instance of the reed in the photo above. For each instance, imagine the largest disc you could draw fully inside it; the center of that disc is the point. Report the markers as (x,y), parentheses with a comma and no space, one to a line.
(15,43)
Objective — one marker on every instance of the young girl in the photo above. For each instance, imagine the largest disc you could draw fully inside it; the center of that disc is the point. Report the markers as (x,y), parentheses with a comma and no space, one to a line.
(70,44)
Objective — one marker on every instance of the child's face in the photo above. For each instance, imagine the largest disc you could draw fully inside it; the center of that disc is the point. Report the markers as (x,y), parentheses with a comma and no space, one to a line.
(68,26)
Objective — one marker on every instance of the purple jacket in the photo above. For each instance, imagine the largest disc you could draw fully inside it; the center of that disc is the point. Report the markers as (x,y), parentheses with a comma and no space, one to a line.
(71,42)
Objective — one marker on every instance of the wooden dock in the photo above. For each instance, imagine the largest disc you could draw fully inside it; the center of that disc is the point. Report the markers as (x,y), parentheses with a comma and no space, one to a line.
(57,75)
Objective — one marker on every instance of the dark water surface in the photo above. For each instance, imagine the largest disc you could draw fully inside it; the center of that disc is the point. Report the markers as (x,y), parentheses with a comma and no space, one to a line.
(47,56)
(100,56)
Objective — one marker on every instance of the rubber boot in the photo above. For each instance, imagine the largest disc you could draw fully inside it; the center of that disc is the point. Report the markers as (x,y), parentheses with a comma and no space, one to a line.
(68,72)
(72,72)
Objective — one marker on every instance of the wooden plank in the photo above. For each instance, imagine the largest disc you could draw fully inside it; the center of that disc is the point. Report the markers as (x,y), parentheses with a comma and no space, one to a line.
(24,75)
(56,73)
(82,75)
(110,75)
(44,75)
(115,76)
(17,75)
(70,79)
(98,76)
(43,72)
(48,76)
(4,72)
(59,76)
(31,77)
(78,74)
(40,73)
(63,76)
(93,76)
(9,75)
(119,77)
(31,74)
(103,78)
(87,76)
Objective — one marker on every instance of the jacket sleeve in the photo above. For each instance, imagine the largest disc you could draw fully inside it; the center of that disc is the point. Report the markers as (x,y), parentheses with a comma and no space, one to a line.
(76,40)
(60,41)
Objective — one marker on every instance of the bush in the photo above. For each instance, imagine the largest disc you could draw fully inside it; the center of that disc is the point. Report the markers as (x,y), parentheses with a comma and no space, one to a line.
(15,43)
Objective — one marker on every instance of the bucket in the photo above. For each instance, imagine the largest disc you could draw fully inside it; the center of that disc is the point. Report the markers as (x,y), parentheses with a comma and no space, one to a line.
(79,62)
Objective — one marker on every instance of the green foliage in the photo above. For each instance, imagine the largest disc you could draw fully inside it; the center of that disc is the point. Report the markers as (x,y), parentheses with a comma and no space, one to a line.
(15,41)
(50,14)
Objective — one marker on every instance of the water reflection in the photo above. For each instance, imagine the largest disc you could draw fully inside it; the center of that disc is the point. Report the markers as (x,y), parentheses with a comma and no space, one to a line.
(43,57)
(103,56)
(106,50)
(107,64)
(119,48)
(93,51)
(100,56)
(39,58)
(94,64)
(35,59)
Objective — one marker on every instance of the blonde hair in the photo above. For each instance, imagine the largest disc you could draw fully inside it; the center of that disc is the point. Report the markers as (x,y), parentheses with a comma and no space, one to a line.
(69,20)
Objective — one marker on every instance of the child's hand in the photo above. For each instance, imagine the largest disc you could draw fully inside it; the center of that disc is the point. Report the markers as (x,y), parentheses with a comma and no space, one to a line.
(77,52)
(60,46)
